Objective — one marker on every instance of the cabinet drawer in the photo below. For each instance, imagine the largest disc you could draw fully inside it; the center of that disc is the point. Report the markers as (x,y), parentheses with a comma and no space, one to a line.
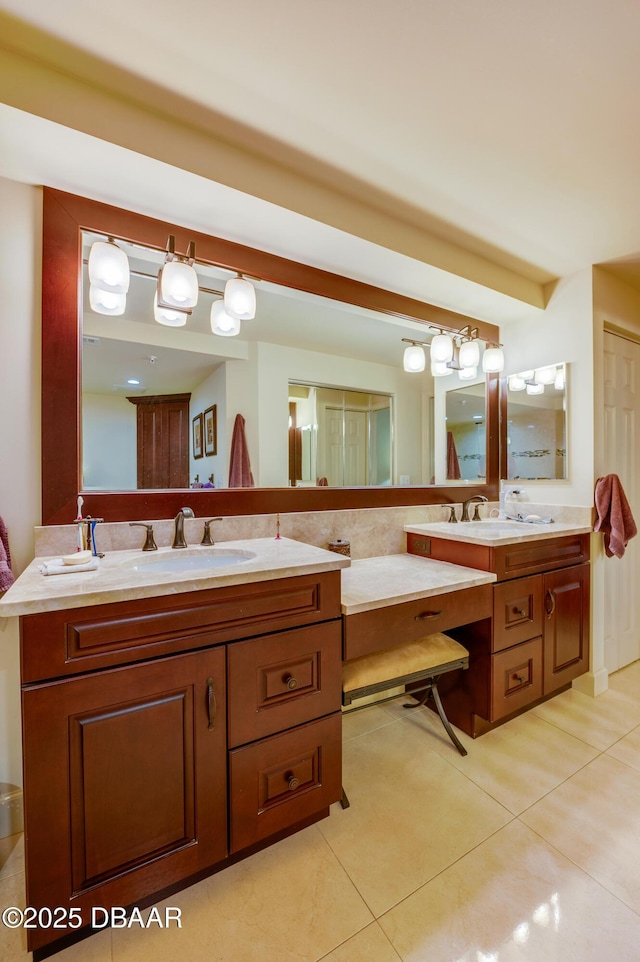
(283,680)
(370,631)
(282,780)
(65,642)
(516,678)
(517,611)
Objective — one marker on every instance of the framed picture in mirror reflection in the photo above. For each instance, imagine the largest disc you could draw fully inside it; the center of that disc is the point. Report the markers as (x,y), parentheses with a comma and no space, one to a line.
(211,430)
(197,436)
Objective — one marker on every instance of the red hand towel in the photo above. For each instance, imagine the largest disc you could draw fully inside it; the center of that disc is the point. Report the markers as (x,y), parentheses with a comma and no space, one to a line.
(615,519)
(240,475)
(6,575)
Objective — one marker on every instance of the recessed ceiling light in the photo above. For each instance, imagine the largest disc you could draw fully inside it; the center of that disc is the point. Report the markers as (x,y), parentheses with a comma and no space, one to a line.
(133,380)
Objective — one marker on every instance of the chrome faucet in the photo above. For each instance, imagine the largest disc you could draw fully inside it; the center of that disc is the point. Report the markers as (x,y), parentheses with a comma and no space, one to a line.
(465,507)
(178,527)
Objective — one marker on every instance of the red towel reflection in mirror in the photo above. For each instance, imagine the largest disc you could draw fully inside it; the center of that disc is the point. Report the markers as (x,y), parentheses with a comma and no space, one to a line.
(453,465)
(240,475)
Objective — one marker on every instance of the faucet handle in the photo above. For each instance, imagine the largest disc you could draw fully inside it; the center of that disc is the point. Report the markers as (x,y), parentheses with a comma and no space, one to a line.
(452,513)
(476,513)
(149,544)
(206,534)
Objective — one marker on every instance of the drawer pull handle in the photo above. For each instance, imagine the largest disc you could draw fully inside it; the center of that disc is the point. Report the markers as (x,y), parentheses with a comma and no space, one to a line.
(293,783)
(520,612)
(211,703)
(291,682)
(520,679)
(550,603)
(427,616)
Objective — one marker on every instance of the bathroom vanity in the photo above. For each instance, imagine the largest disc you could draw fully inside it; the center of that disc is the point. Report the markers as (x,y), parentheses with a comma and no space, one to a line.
(535,640)
(167,736)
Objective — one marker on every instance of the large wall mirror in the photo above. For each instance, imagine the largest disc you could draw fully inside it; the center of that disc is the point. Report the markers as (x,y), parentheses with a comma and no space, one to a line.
(333,339)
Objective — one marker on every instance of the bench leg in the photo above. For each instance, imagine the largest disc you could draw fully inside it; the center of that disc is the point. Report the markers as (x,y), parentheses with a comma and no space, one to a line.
(433,691)
(445,721)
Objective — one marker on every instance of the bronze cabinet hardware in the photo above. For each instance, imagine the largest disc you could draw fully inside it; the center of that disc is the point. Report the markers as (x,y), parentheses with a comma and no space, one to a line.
(149,543)
(211,703)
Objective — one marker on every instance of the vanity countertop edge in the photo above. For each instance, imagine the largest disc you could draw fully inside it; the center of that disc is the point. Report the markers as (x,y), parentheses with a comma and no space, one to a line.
(530,532)
(115,580)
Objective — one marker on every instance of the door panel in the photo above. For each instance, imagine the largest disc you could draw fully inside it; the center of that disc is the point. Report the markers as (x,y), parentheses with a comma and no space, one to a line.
(566,626)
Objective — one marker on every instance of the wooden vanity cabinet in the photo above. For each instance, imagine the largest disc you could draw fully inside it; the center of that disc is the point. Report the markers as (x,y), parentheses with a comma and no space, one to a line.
(538,639)
(145,769)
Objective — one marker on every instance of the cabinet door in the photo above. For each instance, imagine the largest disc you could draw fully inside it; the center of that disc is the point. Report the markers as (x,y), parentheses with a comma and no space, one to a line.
(566,625)
(125,782)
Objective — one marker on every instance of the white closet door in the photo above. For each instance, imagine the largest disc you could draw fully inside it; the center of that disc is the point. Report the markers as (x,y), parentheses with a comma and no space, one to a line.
(622,457)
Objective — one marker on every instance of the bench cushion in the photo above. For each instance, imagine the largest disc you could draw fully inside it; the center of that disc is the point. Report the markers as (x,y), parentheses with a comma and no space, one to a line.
(432,651)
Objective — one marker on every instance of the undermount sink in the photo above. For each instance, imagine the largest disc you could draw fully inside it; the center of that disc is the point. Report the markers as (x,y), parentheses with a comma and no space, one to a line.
(496,527)
(192,559)
(490,528)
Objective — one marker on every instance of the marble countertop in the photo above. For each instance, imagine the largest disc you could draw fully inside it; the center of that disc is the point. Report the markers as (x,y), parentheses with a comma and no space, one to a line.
(393,579)
(121,575)
(494,532)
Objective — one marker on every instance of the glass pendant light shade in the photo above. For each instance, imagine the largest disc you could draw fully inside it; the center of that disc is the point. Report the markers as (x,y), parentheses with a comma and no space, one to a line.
(517,383)
(240,298)
(106,302)
(469,354)
(559,380)
(441,348)
(493,360)
(467,373)
(178,285)
(414,359)
(167,315)
(221,322)
(546,375)
(109,267)
(440,369)
(535,388)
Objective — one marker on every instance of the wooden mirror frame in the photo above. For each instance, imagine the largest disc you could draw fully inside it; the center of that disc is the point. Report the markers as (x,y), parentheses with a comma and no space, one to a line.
(65,217)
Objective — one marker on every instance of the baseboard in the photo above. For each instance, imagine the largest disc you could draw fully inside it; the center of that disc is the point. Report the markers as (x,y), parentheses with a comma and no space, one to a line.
(592,683)
(11,810)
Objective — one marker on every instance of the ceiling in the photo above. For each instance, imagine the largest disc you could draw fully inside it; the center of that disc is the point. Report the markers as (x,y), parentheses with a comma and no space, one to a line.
(505,127)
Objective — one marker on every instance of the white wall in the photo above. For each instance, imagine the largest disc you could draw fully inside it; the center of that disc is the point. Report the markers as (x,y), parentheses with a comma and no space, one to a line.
(109,442)
(20,283)
(211,391)
(563,333)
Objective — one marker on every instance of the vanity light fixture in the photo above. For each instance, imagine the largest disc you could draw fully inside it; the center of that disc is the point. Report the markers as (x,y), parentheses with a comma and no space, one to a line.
(240,298)
(467,373)
(440,369)
(177,279)
(442,347)
(493,359)
(559,382)
(469,354)
(414,359)
(223,323)
(109,277)
(517,382)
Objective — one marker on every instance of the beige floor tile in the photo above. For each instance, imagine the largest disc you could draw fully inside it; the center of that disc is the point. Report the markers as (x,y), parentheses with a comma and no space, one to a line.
(513,899)
(598,721)
(290,903)
(627,750)
(517,763)
(11,856)
(370,945)
(594,819)
(13,942)
(411,814)
(356,723)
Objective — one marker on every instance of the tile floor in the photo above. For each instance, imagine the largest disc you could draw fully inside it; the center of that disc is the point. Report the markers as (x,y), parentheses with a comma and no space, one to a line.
(527,849)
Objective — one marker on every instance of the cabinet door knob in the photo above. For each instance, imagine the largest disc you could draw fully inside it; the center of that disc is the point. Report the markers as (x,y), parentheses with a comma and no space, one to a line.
(291,682)
(520,612)
(520,679)
(293,783)
(211,703)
